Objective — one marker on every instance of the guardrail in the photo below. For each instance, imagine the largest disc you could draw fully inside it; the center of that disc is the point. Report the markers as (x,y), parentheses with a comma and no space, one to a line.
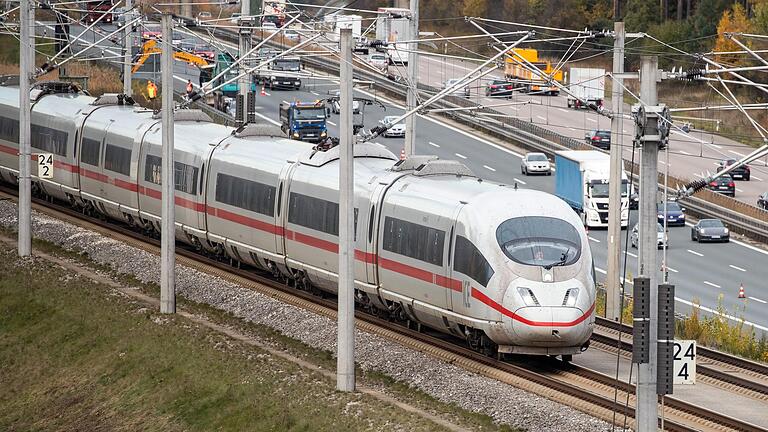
(739,216)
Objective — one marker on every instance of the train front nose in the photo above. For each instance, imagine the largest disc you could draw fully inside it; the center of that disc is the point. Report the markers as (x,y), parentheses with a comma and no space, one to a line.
(549,315)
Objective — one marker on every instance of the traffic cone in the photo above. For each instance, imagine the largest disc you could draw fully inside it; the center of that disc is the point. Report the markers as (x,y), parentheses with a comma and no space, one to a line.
(741,291)
(402,154)
(263,92)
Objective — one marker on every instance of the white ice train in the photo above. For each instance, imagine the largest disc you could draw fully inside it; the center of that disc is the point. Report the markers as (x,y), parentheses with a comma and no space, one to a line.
(507,270)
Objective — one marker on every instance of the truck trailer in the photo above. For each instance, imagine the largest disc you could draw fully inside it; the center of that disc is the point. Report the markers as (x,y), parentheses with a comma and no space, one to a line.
(516,69)
(392,26)
(581,180)
(587,84)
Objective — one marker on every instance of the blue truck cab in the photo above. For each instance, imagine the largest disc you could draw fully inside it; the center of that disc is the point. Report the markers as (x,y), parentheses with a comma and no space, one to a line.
(305,121)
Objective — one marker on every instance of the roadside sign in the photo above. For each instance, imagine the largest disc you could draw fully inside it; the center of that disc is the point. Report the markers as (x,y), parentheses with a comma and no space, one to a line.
(685,362)
(45,165)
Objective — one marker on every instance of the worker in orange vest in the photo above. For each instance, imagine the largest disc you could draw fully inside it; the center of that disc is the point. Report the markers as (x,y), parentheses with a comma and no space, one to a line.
(190,88)
(151,90)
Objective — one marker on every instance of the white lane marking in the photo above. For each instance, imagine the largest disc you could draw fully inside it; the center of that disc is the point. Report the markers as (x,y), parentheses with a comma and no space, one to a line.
(684,152)
(592,120)
(737,268)
(276,123)
(460,155)
(593,239)
(756,178)
(736,153)
(739,190)
(758,300)
(314,93)
(489,168)
(330,123)
(519,181)
(672,270)
(453,128)
(695,253)
(662,162)
(563,110)
(716,164)
(572,129)
(631,254)
(285,102)
(541,118)
(434,145)
(714,145)
(714,312)
(599,270)
(711,284)
(267,94)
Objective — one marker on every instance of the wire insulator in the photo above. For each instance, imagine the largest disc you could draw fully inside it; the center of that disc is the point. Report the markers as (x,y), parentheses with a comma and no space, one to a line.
(693,74)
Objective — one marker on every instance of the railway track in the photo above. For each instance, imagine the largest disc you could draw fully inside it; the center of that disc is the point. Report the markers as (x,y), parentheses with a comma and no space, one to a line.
(718,368)
(579,387)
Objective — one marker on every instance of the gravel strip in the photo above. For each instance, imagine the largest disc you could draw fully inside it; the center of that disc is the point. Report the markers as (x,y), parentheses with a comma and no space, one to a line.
(445,382)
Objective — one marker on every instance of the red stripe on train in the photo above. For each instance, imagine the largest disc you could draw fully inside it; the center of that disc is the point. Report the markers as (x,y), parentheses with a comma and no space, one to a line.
(504,311)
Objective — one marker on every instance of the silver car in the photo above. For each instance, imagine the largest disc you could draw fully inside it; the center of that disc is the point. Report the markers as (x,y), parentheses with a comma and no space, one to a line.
(378,60)
(396,130)
(710,230)
(458,92)
(661,237)
(535,163)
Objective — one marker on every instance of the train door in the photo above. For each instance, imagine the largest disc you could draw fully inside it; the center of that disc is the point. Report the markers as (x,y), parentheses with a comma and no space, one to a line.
(281,206)
(371,219)
(452,284)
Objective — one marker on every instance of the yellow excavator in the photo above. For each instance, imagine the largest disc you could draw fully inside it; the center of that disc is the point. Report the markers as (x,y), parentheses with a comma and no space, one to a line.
(150,48)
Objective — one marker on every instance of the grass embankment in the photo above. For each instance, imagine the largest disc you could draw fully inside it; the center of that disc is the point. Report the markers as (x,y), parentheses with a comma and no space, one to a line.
(709,330)
(78,355)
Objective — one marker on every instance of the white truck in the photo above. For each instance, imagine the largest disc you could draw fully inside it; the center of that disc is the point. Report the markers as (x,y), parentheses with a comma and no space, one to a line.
(587,84)
(581,180)
(392,26)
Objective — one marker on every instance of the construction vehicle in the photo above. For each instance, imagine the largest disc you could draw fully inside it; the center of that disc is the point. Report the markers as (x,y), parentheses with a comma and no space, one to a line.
(305,121)
(274,11)
(150,48)
(517,70)
(218,98)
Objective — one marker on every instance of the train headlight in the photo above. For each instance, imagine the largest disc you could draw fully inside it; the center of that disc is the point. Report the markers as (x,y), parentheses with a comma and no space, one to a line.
(528,298)
(570,298)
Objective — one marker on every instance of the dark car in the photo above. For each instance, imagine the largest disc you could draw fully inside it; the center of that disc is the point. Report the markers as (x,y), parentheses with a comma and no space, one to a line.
(710,230)
(675,214)
(741,172)
(762,201)
(500,88)
(599,138)
(724,185)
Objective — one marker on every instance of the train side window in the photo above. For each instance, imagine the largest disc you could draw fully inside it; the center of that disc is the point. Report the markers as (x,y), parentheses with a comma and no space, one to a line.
(370,224)
(314,213)
(245,194)
(413,240)
(9,129)
(450,245)
(185,177)
(90,152)
(152,169)
(117,159)
(49,140)
(354,225)
(279,198)
(469,261)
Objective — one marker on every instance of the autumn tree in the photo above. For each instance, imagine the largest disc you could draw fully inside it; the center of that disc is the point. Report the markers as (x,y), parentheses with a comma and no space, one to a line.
(734,20)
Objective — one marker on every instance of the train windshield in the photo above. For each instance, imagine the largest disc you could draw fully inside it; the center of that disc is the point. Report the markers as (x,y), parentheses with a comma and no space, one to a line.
(539,240)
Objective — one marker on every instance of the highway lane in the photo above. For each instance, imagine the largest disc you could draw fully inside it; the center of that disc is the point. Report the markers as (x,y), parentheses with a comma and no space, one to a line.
(691,154)
(719,269)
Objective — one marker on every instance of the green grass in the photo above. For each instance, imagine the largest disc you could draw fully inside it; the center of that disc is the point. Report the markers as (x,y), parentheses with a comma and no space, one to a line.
(77,356)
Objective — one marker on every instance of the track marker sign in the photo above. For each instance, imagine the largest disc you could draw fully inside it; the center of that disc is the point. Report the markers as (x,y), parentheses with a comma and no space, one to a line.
(45,165)
(685,362)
